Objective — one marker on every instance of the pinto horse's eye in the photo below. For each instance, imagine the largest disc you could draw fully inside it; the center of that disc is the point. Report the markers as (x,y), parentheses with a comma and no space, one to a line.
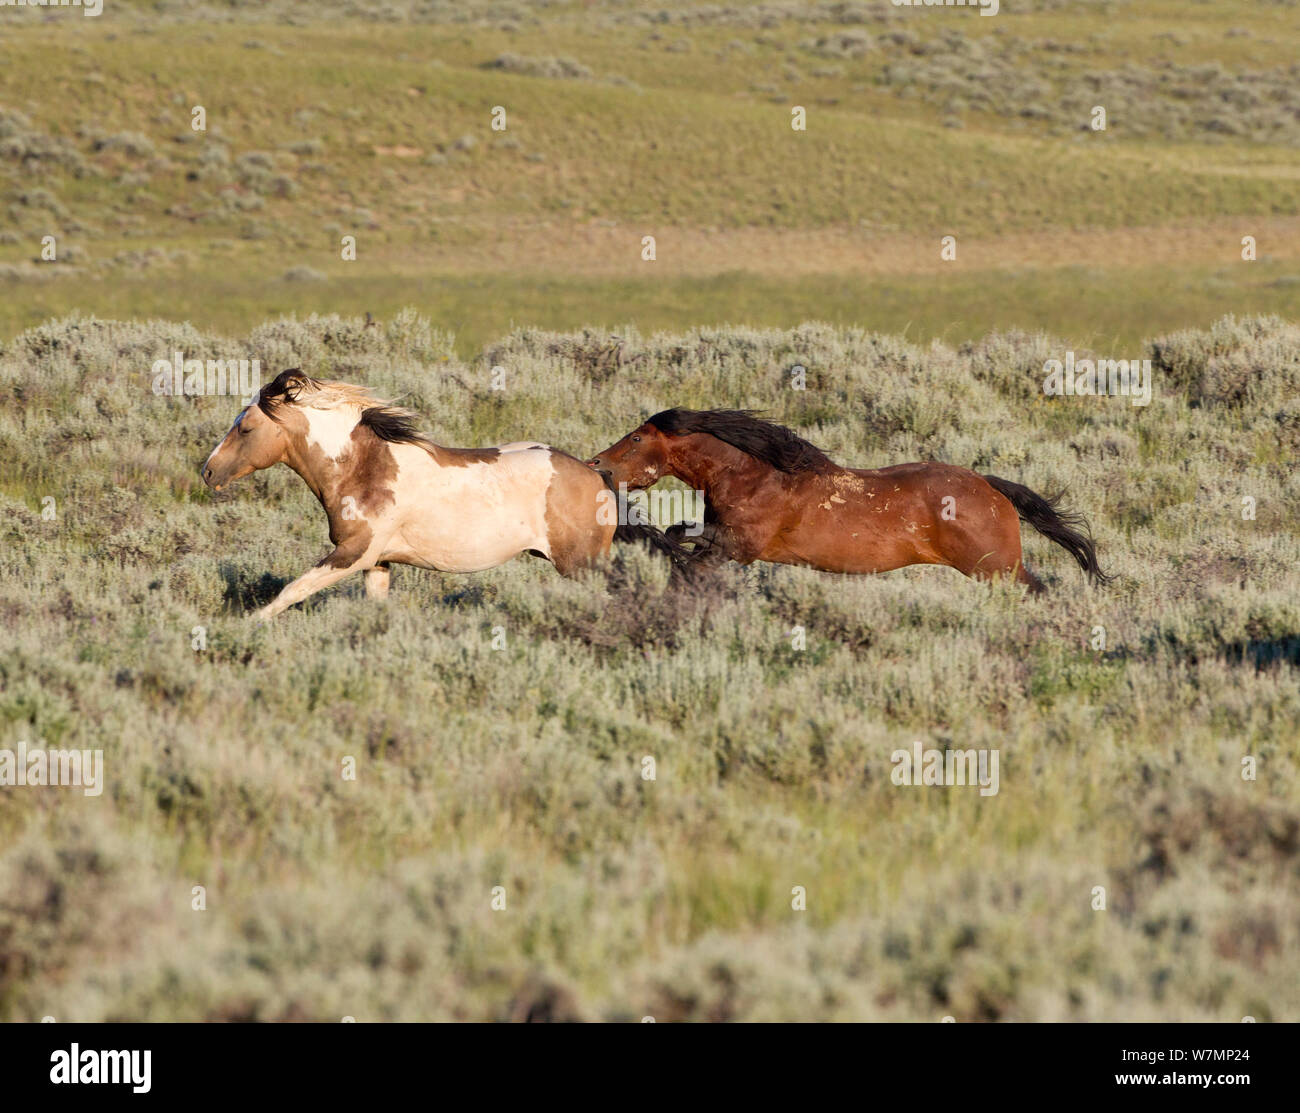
(244,430)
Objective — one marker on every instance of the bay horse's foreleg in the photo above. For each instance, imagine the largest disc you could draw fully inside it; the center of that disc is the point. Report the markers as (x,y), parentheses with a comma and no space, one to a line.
(709,551)
(705,537)
(342,562)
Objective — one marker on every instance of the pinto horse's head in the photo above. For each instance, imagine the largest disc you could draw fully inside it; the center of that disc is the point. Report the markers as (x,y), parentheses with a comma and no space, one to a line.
(258,438)
(638,461)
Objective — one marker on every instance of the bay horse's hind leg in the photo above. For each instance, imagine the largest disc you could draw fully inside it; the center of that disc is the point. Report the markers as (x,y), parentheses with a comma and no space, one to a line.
(1024,576)
(987,545)
(993,570)
(1007,560)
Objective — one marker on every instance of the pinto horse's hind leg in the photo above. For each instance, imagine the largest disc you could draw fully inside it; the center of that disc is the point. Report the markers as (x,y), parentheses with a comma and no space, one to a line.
(576,535)
(577,541)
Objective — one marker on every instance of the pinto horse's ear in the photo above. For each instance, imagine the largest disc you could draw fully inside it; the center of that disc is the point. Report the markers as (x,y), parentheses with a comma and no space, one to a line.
(285,387)
(288,383)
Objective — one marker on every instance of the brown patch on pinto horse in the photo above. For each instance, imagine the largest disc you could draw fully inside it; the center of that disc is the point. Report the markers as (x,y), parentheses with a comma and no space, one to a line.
(573,503)
(463,457)
(372,471)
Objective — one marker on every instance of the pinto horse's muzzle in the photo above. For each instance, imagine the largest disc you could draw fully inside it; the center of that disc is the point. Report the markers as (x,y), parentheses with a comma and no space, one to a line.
(210,476)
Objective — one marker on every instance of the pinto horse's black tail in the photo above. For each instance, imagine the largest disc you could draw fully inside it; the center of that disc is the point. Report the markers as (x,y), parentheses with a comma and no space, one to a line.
(1068,530)
(656,540)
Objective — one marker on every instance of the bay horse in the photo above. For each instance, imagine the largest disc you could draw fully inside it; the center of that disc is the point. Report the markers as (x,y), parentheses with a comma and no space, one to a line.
(393,496)
(772,496)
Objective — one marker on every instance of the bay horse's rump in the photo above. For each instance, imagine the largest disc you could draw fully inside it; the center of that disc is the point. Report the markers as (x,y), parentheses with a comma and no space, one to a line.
(1067,529)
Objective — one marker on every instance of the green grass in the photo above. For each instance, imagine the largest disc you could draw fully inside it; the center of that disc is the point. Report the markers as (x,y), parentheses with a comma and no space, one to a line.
(692,145)
(1107,307)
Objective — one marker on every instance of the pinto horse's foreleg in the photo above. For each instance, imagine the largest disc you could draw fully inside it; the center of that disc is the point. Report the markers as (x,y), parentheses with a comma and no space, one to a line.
(338,565)
(377,581)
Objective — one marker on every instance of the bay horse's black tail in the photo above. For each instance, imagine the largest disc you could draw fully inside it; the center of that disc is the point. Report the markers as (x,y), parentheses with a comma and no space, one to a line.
(1068,530)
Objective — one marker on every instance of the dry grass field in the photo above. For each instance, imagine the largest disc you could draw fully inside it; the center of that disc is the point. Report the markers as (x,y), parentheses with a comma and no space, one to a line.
(501,852)
(499,722)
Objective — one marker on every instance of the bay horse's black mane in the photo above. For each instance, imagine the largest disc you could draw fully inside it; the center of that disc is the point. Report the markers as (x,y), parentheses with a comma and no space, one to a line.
(773,444)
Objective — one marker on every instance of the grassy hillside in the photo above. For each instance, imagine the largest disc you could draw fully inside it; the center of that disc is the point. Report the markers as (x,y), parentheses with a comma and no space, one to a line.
(521,767)
(628,120)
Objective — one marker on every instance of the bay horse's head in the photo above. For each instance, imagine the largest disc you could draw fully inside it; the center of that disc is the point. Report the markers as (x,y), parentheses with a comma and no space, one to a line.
(259,438)
(669,441)
(636,462)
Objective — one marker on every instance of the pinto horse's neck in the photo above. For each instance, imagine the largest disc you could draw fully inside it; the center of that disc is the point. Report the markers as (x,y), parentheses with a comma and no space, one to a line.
(318,471)
(333,461)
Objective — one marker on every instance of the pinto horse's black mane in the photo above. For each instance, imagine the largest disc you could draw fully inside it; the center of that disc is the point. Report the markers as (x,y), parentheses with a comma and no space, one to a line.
(285,387)
(388,422)
(394,425)
(773,444)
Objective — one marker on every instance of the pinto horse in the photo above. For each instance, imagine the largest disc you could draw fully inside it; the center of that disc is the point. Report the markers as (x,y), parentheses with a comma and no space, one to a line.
(772,496)
(392,496)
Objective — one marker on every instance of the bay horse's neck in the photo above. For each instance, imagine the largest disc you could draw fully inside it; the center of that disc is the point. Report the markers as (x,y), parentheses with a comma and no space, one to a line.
(719,470)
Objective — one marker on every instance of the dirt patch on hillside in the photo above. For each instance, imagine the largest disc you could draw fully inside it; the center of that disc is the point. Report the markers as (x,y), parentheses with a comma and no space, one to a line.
(615,249)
